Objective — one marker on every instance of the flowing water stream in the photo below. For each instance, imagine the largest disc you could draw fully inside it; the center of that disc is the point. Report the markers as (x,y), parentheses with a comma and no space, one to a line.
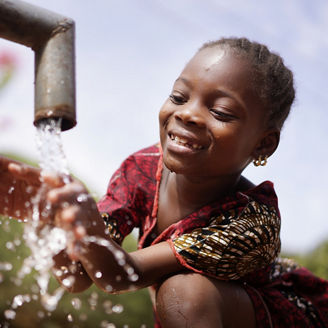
(45,240)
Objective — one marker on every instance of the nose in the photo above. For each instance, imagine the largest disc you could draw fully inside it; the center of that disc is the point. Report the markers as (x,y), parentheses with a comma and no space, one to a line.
(191,113)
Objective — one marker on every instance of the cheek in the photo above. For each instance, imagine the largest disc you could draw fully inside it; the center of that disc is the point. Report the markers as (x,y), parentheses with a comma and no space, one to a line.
(232,140)
(166,111)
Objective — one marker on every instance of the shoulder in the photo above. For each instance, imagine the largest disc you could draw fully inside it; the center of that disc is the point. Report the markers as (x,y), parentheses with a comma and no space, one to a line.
(142,163)
(241,238)
(149,155)
(263,194)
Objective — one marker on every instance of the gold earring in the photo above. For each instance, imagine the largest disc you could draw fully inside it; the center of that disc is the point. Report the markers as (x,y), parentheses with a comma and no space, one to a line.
(260,161)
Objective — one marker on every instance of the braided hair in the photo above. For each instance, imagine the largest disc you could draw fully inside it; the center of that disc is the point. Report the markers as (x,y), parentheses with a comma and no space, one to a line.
(274,81)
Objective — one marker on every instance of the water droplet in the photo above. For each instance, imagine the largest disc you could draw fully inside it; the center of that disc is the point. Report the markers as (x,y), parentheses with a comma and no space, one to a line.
(121,262)
(76,302)
(109,288)
(68,282)
(119,255)
(17,242)
(50,302)
(5,266)
(117,308)
(98,274)
(10,314)
(11,189)
(10,245)
(129,270)
(82,198)
(133,277)
(17,301)
(69,318)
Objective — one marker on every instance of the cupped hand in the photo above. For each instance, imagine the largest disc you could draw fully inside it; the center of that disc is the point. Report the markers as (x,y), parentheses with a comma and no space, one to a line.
(19,184)
(75,211)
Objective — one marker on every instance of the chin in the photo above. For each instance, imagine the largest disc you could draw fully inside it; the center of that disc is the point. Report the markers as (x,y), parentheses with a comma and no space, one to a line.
(176,166)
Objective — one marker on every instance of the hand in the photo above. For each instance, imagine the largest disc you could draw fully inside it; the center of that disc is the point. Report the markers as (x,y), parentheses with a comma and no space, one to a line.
(74,210)
(19,184)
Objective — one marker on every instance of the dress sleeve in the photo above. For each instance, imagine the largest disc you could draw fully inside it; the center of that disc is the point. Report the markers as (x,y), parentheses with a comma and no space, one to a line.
(116,207)
(233,245)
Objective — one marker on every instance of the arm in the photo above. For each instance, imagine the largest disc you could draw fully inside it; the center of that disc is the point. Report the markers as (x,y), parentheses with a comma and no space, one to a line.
(116,271)
(106,263)
(234,244)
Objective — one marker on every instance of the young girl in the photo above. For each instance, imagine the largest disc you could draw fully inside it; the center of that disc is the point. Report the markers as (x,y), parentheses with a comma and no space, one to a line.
(209,239)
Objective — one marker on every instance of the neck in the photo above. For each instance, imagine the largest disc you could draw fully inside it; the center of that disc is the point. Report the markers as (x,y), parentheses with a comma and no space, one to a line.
(197,191)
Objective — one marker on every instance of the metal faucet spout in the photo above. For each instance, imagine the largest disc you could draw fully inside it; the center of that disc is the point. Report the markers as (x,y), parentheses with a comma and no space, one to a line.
(52,37)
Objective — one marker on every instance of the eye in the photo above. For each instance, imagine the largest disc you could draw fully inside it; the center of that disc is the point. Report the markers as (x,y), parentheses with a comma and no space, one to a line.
(221,115)
(177,99)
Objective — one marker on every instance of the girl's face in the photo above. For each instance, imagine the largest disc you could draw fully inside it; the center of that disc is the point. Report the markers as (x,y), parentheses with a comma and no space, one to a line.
(213,122)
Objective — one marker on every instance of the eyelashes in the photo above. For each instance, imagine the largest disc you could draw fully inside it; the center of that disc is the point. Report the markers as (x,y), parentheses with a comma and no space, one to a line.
(222,116)
(218,114)
(177,99)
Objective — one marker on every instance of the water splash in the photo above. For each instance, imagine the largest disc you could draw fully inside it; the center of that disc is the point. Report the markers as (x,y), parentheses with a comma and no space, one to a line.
(44,240)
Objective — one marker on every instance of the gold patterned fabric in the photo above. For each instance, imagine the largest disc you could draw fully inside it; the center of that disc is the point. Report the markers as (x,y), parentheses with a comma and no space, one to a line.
(112,227)
(233,244)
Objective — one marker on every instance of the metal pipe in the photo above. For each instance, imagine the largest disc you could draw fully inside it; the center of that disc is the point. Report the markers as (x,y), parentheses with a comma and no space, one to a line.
(52,37)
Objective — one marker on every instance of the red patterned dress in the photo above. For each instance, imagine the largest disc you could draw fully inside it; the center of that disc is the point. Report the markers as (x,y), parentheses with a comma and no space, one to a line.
(235,238)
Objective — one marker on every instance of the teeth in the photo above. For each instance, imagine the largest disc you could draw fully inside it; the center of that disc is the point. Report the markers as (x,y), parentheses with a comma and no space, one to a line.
(184,142)
(180,140)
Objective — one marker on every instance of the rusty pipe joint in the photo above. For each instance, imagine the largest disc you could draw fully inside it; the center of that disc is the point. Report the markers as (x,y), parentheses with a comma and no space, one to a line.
(52,38)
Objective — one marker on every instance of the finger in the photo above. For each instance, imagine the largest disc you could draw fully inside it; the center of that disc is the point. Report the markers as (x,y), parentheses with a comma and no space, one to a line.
(70,219)
(25,172)
(66,217)
(55,180)
(73,251)
(72,193)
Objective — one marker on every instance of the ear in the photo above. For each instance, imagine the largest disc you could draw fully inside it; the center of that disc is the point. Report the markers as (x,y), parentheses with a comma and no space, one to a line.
(267,144)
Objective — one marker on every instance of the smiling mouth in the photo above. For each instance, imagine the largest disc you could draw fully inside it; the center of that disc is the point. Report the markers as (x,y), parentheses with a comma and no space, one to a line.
(184,142)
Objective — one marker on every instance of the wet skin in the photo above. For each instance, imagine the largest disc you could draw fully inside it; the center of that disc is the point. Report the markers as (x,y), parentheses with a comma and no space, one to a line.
(220,123)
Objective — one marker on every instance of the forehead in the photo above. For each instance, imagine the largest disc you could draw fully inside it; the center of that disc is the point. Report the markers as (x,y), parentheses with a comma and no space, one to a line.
(217,64)
(219,68)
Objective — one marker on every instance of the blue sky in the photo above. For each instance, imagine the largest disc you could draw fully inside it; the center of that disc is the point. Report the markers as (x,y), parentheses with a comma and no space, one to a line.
(129,52)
